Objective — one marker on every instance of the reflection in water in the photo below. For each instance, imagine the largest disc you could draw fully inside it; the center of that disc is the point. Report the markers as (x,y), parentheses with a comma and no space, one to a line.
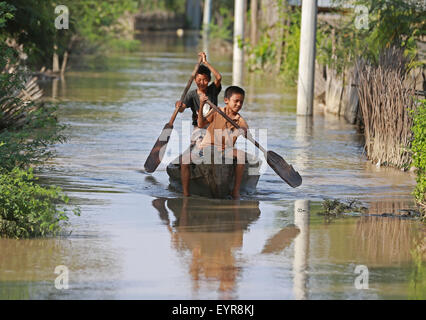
(54,88)
(385,241)
(301,249)
(281,240)
(384,244)
(63,86)
(390,207)
(167,41)
(212,232)
(27,268)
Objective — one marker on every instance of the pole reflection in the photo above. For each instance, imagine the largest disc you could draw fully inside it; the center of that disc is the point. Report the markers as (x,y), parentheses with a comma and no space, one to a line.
(301,249)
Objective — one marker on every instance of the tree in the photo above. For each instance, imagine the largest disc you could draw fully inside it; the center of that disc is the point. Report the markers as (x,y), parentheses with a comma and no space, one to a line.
(90,22)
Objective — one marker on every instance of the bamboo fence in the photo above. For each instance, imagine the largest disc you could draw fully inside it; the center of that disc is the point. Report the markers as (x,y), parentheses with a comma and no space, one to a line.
(386,98)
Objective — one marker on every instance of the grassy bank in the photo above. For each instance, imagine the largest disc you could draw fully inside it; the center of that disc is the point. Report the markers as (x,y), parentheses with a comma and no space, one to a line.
(27,130)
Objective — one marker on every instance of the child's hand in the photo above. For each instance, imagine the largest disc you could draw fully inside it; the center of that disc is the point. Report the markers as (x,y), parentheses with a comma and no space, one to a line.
(203,57)
(243,131)
(179,104)
(203,99)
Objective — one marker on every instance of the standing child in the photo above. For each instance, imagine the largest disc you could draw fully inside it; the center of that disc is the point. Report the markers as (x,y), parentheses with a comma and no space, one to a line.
(202,79)
(221,136)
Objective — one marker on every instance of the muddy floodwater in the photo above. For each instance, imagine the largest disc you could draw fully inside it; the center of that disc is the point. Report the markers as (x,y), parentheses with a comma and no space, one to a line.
(138,239)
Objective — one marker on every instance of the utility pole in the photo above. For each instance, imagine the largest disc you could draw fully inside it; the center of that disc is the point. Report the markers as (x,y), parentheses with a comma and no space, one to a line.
(253,22)
(193,13)
(238,54)
(207,14)
(305,85)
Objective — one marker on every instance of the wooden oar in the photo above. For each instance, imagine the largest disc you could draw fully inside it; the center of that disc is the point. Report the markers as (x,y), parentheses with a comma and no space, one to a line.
(157,152)
(275,161)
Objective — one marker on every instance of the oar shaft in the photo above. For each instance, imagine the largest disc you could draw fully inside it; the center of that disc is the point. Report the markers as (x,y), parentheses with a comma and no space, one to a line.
(256,144)
(223,114)
(156,154)
(182,97)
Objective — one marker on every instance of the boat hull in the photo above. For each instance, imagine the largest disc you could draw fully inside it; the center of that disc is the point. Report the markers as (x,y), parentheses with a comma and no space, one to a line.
(216,180)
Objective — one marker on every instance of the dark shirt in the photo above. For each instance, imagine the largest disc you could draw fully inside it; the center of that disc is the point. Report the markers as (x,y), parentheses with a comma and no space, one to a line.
(192,100)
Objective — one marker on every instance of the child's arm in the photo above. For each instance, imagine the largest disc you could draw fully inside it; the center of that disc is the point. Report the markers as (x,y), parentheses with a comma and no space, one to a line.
(217,75)
(243,128)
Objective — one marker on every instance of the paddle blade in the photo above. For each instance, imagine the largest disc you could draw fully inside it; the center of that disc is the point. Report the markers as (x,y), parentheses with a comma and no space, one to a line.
(157,152)
(283,169)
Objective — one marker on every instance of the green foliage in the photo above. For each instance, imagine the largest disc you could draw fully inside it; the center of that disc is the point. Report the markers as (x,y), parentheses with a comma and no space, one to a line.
(283,46)
(418,147)
(8,56)
(8,81)
(6,13)
(95,19)
(122,45)
(336,46)
(290,62)
(27,129)
(391,23)
(27,209)
(262,54)
(32,26)
(91,22)
(221,26)
(177,6)
(418,275)
(336,208)
(30,144)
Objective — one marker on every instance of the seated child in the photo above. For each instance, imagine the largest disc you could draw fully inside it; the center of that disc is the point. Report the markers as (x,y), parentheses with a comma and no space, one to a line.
(220,135)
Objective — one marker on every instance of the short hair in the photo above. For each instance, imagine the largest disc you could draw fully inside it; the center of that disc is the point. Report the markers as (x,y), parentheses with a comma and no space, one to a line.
(204,70)
(233,89)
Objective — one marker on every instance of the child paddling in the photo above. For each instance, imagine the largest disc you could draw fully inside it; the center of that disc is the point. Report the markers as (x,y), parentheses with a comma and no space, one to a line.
(220,137)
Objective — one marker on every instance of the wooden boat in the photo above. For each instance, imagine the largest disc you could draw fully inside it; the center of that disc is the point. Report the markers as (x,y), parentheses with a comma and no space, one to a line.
(216,180)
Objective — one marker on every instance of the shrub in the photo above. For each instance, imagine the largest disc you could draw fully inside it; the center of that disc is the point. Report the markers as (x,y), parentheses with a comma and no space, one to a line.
(418,147)
(278,45)
(221,26)
(30,145)
(28,209)
(27,130)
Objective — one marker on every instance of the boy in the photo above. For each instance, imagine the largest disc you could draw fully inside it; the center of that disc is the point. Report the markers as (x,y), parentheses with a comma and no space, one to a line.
(220,135)
(202,79)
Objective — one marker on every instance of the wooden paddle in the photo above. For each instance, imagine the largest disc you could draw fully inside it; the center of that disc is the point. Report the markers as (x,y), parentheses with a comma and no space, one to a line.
(157,152)
(275,161)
